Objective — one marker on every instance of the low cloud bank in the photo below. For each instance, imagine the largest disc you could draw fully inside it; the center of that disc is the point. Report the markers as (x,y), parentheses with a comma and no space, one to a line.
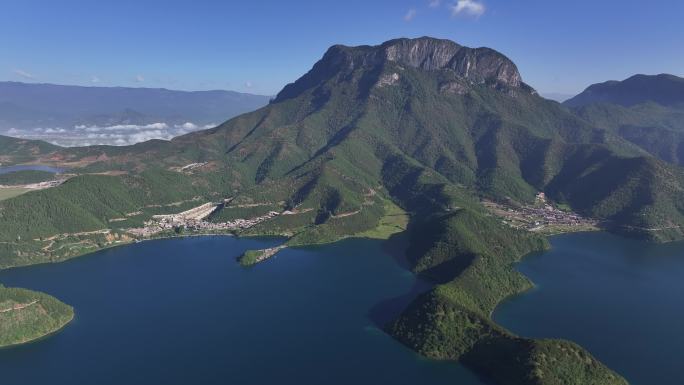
(116,135)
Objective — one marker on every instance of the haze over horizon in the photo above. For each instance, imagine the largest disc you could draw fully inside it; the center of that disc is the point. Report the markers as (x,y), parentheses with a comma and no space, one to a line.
(259,49)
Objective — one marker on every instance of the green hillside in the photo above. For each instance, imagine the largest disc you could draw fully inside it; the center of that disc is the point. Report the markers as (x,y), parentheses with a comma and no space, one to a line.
(15,151)
(645,110)
(25,177)
(26,315)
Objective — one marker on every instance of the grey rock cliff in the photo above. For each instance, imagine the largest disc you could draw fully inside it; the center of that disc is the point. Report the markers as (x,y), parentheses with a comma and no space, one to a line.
(475,65)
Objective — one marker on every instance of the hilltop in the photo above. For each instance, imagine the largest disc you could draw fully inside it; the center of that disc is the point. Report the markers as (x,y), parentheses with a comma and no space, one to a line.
(663,89)
(15,150)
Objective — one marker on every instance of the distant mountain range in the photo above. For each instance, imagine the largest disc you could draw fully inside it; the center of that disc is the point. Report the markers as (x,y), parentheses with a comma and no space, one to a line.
(645,110)
(78,115)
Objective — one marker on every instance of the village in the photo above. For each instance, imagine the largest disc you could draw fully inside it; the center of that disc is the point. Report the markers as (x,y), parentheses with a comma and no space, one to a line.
(195,219)
(542,216)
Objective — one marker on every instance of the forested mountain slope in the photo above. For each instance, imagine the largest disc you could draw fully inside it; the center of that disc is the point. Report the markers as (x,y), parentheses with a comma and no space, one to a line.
(645,110)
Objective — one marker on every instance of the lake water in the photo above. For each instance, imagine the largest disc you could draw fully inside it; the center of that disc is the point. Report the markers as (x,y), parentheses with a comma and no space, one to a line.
(31,167)
(621,299)
(182,311)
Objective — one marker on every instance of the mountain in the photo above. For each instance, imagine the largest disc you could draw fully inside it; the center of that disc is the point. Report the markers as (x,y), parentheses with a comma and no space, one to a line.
(663,89)
(74,114)
(645,110)
(424,124)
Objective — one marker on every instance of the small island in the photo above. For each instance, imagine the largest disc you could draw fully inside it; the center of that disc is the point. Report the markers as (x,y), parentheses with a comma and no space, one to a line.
(27,315)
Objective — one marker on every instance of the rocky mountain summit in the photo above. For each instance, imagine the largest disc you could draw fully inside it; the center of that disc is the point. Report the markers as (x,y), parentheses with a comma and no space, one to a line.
(473,65)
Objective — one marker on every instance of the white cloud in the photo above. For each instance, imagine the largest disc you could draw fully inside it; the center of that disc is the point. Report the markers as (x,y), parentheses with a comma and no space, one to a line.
(54,130)
(123,127)
(148,135)
(158,126)
(24,74)
(139,78)
(248,84)
(125,134)
(410,15)
(118,135)
(434,3)
(187,126)
(468,7)
(94,79)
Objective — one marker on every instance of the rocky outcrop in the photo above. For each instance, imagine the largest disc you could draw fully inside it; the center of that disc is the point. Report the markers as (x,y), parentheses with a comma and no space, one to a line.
(479,65)
(474,65)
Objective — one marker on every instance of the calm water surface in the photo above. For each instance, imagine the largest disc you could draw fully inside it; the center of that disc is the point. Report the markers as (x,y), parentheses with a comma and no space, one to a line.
(32,167)
(182,311)
(622,299)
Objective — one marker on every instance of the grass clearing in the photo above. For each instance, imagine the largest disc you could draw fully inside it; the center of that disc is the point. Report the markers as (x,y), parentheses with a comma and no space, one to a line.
(394,221)
(11,192)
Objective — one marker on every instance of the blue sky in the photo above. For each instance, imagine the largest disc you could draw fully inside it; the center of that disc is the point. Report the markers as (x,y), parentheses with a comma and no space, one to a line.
(259,46)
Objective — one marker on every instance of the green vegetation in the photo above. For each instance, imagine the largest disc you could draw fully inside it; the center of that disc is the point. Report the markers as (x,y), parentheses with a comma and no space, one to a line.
(14,181)
(15,150)
(251,257)
(472,256)
(28,315)
(648,111)
(655,129)
(552,362)
(69,220)
(395,220)
(11,192)
(25,177)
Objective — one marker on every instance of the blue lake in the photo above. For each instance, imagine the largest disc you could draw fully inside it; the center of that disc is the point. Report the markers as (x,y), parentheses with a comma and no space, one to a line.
(621,299)
(31,167)
(182,311)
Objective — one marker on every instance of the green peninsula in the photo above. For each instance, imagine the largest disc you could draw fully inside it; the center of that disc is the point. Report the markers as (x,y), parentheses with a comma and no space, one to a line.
(27,315)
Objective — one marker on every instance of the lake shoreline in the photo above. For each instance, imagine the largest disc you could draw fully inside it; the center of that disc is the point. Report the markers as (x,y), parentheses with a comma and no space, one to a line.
(588,285)
(356,273)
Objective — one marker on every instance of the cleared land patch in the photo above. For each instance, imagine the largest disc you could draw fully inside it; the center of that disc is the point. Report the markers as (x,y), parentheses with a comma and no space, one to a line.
(11,192)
